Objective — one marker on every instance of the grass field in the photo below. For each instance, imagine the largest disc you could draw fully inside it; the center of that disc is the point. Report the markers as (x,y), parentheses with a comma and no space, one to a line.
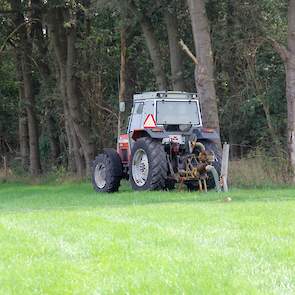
(65,239)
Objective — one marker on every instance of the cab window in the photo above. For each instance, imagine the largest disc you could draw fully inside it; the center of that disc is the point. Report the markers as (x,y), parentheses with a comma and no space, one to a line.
(138,108)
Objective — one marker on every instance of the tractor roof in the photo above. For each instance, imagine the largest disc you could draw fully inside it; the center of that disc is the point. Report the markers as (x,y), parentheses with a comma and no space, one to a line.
(165,94)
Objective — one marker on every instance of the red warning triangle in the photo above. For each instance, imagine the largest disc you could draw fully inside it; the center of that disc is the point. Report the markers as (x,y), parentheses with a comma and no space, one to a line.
(149,122)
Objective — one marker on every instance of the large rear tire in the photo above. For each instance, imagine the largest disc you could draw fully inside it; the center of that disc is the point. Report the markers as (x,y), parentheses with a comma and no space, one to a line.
(107,172)
(148,165)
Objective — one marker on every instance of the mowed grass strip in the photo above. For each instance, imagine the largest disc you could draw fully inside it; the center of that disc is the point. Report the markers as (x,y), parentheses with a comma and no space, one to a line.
(66,239)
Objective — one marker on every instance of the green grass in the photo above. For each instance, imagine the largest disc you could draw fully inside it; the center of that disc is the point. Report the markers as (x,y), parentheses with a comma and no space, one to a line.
(66,239)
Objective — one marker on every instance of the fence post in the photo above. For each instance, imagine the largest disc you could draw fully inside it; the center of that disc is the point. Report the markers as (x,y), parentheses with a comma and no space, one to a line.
(224,166)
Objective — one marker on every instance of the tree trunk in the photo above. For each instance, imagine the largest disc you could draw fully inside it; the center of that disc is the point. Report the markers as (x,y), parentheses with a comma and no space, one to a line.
(288,57)
(53,136)
(26,52)
(155,53)
(153,46)
(23,121)
(74,104)
(122,90)
(42,60)
(35,165)
(175,52)
(72,166)
(23,141)
(75,150)
(204,73)
(58,39)
(64,46)
(290,83)
(40,40)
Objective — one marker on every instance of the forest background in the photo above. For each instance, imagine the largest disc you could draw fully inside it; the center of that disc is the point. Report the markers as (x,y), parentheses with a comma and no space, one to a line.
(64,66)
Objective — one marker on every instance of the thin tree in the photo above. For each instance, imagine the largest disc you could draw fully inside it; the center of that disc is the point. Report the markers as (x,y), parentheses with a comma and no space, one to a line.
(287,55)
(153,46)
(25,51)
(204,72)
(176,63)
(122,89)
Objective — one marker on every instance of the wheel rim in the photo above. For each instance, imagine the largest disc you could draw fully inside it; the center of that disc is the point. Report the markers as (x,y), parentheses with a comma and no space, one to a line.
(140,167)
(100,175)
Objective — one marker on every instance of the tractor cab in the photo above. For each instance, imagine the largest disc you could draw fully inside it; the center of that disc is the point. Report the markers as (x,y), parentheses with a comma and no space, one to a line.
(169,111)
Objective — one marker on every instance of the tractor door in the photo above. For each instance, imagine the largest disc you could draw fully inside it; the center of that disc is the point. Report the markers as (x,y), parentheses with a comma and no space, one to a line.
(136,117)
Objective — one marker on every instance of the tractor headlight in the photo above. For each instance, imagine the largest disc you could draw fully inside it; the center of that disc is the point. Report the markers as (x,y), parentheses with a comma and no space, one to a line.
(185,127)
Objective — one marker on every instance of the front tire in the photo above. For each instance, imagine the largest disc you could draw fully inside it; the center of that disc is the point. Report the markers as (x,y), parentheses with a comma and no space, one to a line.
(106,173)
(148,165)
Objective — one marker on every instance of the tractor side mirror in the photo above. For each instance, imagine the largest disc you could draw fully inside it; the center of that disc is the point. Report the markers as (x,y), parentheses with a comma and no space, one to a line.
(122,106)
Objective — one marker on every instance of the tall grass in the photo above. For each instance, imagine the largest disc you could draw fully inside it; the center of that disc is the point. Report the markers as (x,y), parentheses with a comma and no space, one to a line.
(258,169)
(58,176)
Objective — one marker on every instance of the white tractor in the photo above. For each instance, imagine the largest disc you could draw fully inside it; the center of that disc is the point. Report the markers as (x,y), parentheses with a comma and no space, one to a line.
(165,144)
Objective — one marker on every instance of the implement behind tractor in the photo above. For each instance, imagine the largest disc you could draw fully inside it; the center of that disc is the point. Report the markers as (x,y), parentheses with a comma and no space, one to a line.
(165,144)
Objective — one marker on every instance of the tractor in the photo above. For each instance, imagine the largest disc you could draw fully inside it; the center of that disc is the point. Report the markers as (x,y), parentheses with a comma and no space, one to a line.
(165,144)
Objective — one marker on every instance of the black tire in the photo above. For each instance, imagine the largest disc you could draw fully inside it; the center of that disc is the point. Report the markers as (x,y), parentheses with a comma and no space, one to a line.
(112,173)
(211,146)
(157,164)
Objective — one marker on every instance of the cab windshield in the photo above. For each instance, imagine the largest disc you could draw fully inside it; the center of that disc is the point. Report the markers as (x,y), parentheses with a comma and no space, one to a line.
(177,112)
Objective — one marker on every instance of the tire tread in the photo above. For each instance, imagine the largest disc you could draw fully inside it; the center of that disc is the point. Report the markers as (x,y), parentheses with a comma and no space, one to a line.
(158,164)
